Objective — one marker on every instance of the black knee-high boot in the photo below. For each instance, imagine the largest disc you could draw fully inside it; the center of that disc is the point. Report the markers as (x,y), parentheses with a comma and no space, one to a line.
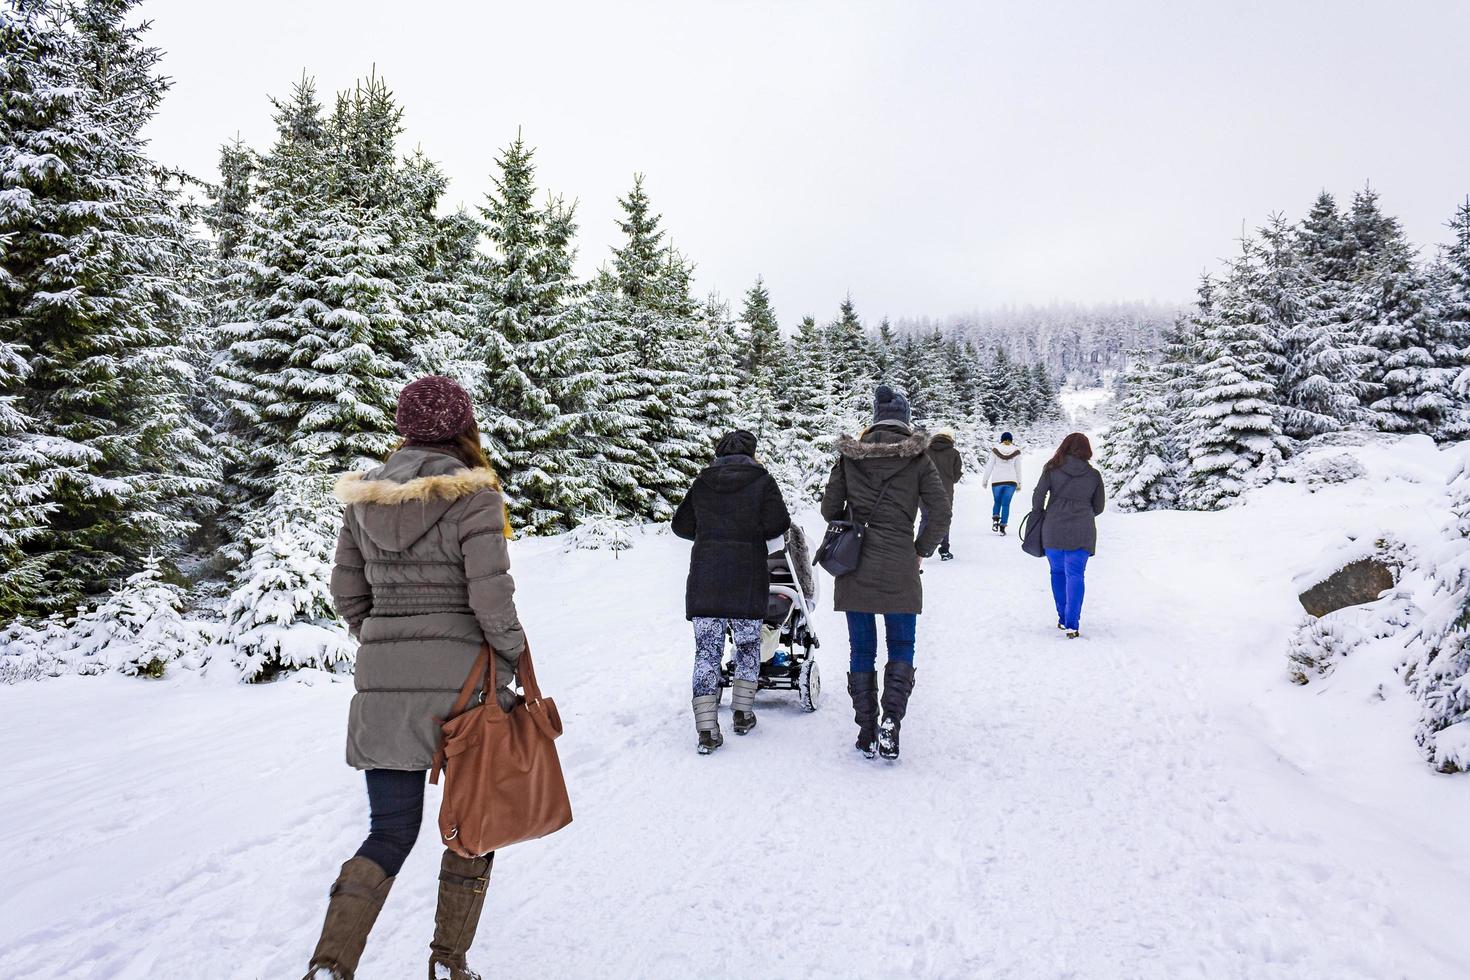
(863,688)
(898,684)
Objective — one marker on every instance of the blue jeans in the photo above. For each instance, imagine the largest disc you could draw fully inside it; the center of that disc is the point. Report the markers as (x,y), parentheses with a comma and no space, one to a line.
(396,805)
(862,636)
(1067,586)
(1002,492)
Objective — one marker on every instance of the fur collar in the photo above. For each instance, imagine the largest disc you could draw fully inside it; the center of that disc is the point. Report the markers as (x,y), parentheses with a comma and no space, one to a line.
(852,448)
(1000,455)
(352,488)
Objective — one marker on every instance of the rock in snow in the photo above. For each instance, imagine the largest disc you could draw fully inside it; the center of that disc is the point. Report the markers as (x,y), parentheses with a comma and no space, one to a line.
(1355,583)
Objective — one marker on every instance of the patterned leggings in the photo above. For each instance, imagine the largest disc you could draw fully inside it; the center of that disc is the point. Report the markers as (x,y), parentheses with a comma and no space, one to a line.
(709,649)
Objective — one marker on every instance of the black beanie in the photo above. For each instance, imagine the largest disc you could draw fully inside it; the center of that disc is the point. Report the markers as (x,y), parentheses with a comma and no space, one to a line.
(890,406)
(737,443)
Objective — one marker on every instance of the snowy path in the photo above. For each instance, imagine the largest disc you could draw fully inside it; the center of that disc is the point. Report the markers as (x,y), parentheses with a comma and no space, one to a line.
(1151,801)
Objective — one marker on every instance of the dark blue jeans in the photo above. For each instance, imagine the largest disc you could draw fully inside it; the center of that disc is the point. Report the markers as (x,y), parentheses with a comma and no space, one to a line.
(862,636)
(1068,569)
(396,802)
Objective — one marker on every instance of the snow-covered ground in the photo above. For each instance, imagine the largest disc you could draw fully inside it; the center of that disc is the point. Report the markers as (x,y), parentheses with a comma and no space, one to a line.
(1154,800)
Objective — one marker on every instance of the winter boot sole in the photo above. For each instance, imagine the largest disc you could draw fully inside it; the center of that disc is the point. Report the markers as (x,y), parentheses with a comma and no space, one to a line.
(744,722)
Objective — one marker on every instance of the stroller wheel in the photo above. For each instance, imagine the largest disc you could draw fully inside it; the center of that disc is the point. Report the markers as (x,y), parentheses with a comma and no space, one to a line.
(809,685)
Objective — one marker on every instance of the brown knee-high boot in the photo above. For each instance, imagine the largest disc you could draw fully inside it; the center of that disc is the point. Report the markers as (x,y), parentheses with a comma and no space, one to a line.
(462,885)
(357,898)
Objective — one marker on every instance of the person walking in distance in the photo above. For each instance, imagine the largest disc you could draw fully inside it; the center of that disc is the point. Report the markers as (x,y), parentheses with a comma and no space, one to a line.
(882,479)
(422,578)
(946,459)
(1069,496)
(730,513)
(1003,477)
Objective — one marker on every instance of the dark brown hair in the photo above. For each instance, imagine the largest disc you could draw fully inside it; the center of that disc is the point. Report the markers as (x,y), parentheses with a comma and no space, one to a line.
(1075,444)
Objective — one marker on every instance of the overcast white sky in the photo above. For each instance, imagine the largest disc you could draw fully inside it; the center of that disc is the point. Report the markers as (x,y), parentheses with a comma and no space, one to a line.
(931,157)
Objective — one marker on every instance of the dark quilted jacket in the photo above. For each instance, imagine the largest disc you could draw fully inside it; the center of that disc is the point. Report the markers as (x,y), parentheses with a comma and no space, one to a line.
(422,577)
(731,511)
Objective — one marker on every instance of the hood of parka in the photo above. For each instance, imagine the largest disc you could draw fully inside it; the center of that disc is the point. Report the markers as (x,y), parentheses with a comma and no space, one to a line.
(730,474)
(884,440)
(398,502)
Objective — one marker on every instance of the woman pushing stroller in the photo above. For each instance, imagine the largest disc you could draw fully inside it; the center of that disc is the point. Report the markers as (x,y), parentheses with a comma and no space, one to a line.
(731,512)
(883,478)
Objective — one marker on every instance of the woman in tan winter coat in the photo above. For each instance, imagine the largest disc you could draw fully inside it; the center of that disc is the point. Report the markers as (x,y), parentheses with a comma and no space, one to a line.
(422,578)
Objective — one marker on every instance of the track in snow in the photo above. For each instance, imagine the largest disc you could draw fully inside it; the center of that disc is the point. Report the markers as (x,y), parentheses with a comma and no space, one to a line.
(1109,807)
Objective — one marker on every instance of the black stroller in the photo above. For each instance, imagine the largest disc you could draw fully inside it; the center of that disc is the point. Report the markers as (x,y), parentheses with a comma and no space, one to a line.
(787,636)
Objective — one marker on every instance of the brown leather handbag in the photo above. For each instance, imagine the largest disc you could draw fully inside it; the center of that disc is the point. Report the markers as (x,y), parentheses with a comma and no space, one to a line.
(502,778)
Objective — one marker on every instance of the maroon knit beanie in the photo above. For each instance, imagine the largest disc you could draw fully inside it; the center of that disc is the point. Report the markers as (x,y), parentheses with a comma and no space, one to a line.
(433,409)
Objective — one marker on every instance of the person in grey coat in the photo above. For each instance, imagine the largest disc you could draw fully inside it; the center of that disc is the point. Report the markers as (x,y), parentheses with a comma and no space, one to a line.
(890,453)
(422,578)
(1069,496)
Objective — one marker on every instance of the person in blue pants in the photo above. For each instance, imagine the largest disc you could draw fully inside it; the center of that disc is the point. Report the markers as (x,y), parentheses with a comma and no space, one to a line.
(1003,477)
(1068,585)
(1069,496)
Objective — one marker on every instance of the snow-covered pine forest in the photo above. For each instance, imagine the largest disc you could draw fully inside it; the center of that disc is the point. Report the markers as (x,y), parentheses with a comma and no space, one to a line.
(184,367)
(1318,334)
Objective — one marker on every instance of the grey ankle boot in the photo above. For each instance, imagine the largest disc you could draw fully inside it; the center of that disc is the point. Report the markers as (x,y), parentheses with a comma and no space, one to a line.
(742,702)
(707,722)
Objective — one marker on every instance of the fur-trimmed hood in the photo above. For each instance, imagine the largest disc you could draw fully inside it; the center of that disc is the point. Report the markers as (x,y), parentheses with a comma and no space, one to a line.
(397,503)
(356,488)
(883,441)
(1006,452)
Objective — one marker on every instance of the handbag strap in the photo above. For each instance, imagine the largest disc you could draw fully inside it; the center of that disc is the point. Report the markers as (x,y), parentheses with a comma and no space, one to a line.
(882,490)
(483,675)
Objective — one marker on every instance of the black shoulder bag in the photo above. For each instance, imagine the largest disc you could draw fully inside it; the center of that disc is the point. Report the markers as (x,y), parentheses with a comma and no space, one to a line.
(842,546)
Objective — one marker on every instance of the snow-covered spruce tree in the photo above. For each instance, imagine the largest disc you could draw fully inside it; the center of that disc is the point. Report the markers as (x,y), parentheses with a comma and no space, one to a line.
(533,380)
(933,396)
(1139,455)
(136,630)
(641,324)
(1009,391)
(1415,365)
(98,260)
(1043,404)
(1437,669)
(692,400)
(230,199)
(801,453)
(276,300)
(332,275)
(1322,386)
(1454,279)
(884,362)
(851,362)
(279,615)
(764,405)
(717,393)
(23,496)
(616,448)
(1234,440)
